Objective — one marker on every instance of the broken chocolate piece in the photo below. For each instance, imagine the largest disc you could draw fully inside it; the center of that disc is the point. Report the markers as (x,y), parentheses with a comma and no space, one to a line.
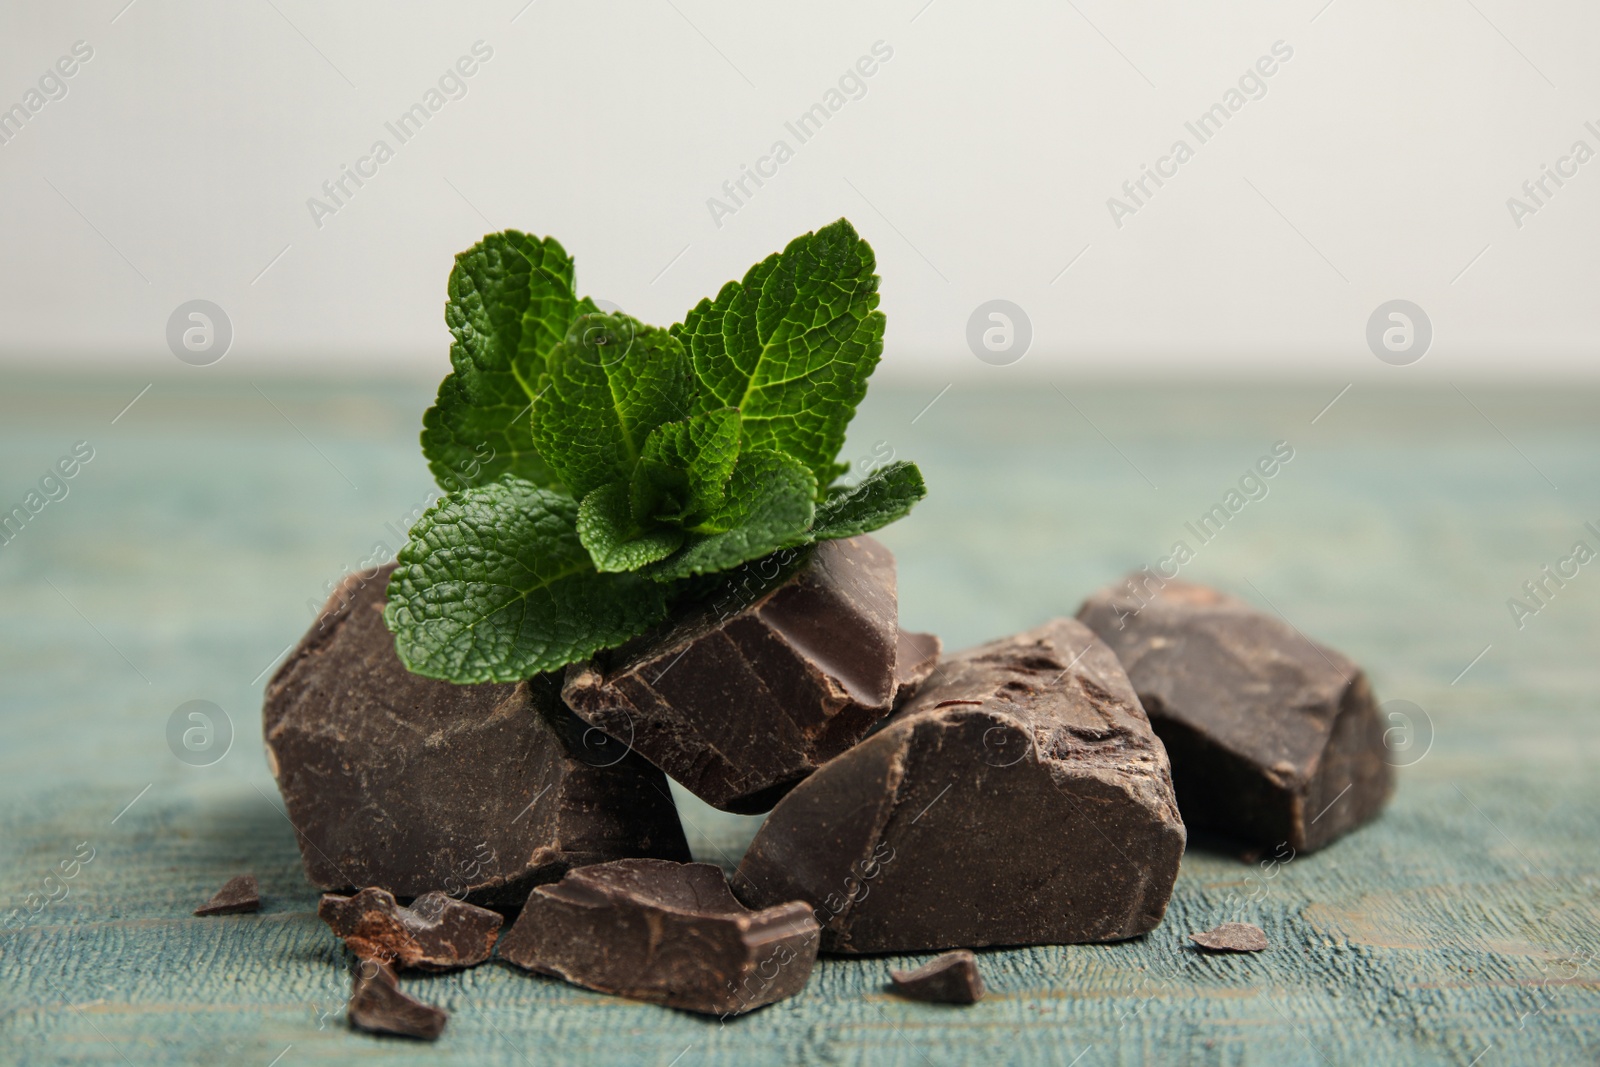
(950,979)
(1274,740)
(378,1006)
(1020,799)
(746,695)
(241,894)
(916,657)
(671,933)
(1232,937)
(436,933)
(413,785)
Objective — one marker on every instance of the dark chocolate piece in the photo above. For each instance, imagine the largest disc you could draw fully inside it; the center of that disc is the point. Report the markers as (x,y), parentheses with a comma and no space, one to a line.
(671,933)
(1232,937)
(746,695)
(436,933)
(916,658)
(378,1006)
(1274,740)
(413,785)
(950,979)
(1019,799)
(241,894)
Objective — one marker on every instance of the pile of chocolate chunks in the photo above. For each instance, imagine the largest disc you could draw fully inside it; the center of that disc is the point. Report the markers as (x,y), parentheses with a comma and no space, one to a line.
(1032,790)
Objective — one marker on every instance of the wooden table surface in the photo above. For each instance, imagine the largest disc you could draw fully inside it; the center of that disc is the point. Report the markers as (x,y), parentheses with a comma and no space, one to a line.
(1462,928)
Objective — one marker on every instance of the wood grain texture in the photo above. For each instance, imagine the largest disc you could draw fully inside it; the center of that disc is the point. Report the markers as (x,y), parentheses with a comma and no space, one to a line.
(1462,928)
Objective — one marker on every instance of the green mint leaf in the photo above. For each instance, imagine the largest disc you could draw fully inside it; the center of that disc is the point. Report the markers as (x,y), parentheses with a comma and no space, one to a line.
(770,502)
(606,386)
(887,494)
(495,586)
(510,299)
(684,470)
(792,345)
(614,540)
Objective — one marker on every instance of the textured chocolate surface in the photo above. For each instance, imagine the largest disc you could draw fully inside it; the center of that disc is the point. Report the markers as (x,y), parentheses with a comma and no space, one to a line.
(748,694)
(1020,798)
(1273,739)
(436,933)
(666,932)
(916,658)
(414,785)
(952,978)
(378,1006)
(240,894)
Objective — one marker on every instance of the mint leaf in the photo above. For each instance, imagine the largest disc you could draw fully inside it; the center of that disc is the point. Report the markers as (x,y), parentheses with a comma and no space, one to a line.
(606,386)
(769,505)
(684,470)
(495,586)
(510,299)
(792,345)
(614,540)
(885,495)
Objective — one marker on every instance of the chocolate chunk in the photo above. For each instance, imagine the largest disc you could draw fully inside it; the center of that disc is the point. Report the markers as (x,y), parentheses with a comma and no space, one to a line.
(1019,799)
(671,933)
(951,979)
(436,933)
(378,1006)
(413,785)
(1232,937)
(1274,740)
(747,694)
(916,658)
(241,894)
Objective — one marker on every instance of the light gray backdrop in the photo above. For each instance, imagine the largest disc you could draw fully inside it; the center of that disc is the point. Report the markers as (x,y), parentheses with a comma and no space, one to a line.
(980,157)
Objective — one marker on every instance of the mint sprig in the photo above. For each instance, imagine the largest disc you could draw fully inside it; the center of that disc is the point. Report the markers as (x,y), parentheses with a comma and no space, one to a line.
(598,468)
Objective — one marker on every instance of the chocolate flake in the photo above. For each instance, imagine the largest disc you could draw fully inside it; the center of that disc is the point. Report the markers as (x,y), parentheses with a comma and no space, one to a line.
(1274,740)
(413,785)
(666,932)
(952,978)
(241,894)
(436,933)
(1232,937)
(378,1006)
(1019,799)
(747,694)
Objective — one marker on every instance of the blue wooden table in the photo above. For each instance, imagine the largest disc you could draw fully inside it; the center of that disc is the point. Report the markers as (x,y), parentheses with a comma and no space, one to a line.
(181,560)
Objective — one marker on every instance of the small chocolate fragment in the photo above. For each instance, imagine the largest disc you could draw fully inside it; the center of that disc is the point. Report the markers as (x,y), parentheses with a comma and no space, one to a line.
(436,933)
(671,933)
(916,657)
(747,694)
(413,785)
(378,1006)
(1274,740)
(1020,799)
(241,894)
(950,979)
(1232,937)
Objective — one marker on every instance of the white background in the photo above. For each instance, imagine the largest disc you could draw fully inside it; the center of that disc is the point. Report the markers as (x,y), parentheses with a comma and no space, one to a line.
(979,163)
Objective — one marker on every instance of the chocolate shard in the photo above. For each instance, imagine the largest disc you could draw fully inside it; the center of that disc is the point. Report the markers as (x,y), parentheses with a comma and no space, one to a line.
(1232,937)
(916,658)
(1019,799)
(671,933)
(1274,740)
(414,785)
(436,933)
(950,979)
(747,694)
(378,1006)
(240,894)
